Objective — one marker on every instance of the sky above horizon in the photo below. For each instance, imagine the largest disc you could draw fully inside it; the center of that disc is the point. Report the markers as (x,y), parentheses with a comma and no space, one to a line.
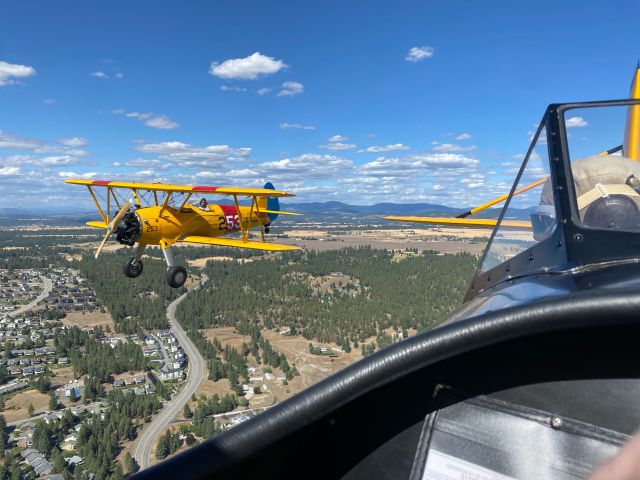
(360,102)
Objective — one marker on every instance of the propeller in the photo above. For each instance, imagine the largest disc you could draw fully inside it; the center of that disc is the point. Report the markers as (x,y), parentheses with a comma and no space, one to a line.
(116,220)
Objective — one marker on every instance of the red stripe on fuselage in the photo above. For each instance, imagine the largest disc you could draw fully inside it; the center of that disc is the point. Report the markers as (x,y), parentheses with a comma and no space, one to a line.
(203,188)
(228,209)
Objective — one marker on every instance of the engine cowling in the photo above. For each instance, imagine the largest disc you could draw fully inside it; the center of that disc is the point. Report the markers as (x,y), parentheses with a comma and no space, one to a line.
(129,229)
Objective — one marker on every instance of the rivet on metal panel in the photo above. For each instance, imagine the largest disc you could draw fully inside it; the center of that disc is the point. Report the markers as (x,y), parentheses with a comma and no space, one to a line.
(578,238)
(556,423)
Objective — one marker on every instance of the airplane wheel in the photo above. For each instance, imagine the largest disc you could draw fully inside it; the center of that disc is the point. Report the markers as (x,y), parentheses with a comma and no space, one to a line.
(266,229)
(132,267)
(176,276)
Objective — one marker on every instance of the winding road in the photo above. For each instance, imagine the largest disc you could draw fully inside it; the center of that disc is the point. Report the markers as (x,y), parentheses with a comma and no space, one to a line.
(48,286)
(195,373)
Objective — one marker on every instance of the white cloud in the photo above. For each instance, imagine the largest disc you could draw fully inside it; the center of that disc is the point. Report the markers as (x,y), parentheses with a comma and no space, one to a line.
(263,91)
(147,163)
(153,120)
(405,165)
(338,146)
(438,187)
(385,148)
(575,122)
(306,166)
(85,175)
(247,68)
(119,75)
(9,171)
(297,125)
(10,73)
(229,88)
(73,141)
(99,74)
(338,138)
(290,89)
(186,155)
(417,54)
(463,136)
(450,147)
(49,101)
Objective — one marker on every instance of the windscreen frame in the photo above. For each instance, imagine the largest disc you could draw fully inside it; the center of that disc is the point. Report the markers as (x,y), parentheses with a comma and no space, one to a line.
(572,243)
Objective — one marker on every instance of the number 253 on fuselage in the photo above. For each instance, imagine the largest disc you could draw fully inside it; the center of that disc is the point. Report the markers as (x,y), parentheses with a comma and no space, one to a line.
(160,214)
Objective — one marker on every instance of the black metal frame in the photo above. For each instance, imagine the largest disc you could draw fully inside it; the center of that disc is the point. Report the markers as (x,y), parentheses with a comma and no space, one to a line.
(572,243)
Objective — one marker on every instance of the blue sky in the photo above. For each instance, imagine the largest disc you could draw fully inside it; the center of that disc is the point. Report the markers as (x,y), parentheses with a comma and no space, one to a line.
(402,101)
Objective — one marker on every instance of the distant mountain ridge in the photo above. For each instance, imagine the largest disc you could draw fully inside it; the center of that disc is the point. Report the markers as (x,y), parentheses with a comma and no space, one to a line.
(377,209)
(312,209)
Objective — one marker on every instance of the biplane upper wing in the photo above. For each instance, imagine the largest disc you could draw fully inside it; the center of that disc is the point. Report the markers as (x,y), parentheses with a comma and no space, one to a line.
(230,242)
(164,187)
(462,222)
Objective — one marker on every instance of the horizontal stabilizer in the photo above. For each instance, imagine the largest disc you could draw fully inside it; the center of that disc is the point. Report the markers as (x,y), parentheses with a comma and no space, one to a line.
(97,224)
(462,222)
(230,242)
(278,212)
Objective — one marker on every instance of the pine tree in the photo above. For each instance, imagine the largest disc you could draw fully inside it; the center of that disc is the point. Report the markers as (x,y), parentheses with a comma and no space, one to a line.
(58,460)
(30,410)
(117,472)
(130,464)
(1,404)
(53,402)
(162,449)
(187,411)
(3,434)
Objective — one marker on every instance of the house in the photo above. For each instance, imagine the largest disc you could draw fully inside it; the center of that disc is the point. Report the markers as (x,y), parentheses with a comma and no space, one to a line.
(63,360)
(139,379)
(170,374)
(38,370)
(75,460)
(52,417)
(73,389)
(118,383)
(29,451)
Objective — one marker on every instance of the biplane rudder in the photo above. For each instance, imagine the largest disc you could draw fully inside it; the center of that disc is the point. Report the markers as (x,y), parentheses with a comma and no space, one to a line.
(269,203)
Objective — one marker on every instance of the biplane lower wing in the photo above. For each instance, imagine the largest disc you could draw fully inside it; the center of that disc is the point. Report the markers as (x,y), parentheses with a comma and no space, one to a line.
(463,222)
(278,212)
(230,242)
(97,224)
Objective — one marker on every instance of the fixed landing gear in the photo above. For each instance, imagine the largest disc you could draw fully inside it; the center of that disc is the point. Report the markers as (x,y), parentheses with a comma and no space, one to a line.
(132,267)
(176,276)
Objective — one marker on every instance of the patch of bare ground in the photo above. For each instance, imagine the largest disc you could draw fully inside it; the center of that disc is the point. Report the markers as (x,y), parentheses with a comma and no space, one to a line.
(61,376)
(312,368)
(226,336)
(17,407)
(89,319)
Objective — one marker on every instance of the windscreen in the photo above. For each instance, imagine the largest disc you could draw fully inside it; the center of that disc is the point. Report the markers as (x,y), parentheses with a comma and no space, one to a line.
(528,215)
(603,150)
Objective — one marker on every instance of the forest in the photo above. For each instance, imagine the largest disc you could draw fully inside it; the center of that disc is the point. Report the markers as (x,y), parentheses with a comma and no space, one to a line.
(381,292)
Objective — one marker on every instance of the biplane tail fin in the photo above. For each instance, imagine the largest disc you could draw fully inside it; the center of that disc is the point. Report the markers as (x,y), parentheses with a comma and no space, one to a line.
(269,203)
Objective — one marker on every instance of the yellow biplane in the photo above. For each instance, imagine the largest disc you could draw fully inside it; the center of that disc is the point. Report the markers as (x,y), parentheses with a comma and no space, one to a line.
(160,214)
